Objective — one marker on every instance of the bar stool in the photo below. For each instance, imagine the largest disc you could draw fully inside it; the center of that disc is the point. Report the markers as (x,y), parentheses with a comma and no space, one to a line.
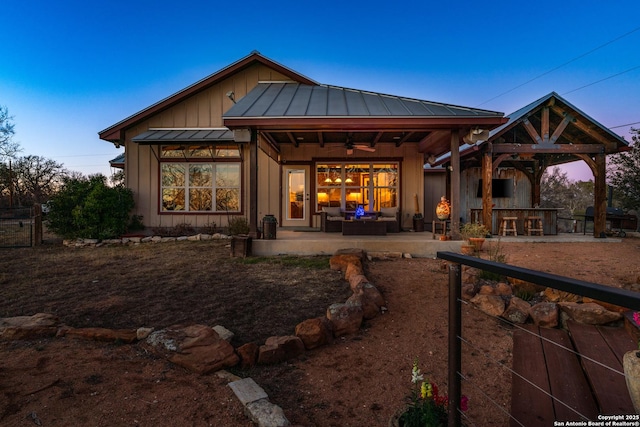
(535,225)
(508,225)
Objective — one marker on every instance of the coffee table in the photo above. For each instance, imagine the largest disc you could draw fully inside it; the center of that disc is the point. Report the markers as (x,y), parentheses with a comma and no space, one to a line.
(364,227)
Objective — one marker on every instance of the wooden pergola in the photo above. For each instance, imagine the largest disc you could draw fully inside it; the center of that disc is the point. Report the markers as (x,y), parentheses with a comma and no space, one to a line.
(547,132)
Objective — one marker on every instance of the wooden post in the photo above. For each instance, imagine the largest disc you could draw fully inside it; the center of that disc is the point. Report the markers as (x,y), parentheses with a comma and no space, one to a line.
(455,185)
(253,184)
(487,196)
(600,196)
(538,170)
(455,345)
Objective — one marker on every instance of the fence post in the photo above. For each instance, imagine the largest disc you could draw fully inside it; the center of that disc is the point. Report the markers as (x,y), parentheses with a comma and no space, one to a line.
(455,345)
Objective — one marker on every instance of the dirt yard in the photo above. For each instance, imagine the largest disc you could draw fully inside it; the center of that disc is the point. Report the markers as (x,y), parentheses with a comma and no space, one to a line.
(360,380)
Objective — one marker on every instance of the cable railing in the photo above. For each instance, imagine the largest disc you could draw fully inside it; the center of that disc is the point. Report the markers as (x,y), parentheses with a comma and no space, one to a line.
(615,296)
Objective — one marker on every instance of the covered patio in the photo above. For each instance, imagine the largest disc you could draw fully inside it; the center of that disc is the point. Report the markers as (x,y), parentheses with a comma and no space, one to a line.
(501,176)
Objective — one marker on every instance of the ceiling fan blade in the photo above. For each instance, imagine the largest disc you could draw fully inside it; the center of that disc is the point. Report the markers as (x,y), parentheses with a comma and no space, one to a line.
(365,148)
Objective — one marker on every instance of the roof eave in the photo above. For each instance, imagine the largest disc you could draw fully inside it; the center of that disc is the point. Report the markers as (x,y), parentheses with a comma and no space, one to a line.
(359,123)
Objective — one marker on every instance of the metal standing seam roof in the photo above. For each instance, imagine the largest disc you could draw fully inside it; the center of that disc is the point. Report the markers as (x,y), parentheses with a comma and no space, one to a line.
(282,99)
(169,136)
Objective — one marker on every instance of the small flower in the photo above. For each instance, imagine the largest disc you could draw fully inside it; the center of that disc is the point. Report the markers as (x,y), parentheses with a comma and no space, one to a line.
(415,373)
(464,403)
(636,317)
(426,391)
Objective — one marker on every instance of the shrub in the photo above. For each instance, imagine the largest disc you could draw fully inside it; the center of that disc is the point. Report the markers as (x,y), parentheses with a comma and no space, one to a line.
(238,225)
(87,207)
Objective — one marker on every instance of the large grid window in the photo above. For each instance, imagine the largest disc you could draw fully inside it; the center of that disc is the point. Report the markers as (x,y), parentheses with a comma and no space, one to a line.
(200,186)
(347,185)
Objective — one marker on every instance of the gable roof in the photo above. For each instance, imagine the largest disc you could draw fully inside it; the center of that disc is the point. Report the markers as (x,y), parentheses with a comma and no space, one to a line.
(554,99)
(115,133)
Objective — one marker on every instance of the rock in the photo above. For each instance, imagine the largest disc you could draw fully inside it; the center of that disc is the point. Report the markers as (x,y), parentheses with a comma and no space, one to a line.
(369,309)
(181,239)
(504,289)
(493,305)
(206,237)
(554,295)
(156,239)
(589,313)
(372,294)
(148,239)
(356,282)
(345,318)
(194,238)
(517,311)
(248,354)
(353,269)
(343,257)
(102,334)
(610,307)
(544,314)
(136,239)
(384,255)
(524,287)
(168,239)
(90,241)
(469,274)
(468,291)
(266,414)
(143,333)
(197,347)
(224,333)
(407,256)
(28,327)
(257,405)
(279,349)
(487,290)
(315,332)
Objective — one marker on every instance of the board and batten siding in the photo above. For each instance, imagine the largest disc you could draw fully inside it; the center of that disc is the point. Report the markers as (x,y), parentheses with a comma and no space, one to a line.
(202,110)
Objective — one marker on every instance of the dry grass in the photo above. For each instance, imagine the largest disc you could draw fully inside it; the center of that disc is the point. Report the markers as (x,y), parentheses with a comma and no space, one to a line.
(157,285)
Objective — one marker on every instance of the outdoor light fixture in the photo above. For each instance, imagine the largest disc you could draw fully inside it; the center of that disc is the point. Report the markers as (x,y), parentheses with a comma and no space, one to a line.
(338,180)
(348,180)
(231,96)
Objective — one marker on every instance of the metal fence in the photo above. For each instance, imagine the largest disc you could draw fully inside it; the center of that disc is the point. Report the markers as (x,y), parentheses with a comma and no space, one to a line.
(20,227)
(620,297)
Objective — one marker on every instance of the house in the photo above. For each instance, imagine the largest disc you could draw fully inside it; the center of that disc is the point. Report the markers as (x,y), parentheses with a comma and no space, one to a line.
(257,138)
(501,175)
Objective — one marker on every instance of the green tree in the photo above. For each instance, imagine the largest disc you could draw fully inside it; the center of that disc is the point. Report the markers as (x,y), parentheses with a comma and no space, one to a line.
(89,208)
(624,174)
(558,191)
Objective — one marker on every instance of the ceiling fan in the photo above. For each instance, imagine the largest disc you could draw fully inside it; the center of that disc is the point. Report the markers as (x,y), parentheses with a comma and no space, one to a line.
(363,147)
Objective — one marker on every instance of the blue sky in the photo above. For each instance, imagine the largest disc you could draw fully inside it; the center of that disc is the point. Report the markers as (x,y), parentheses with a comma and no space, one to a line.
(69,69)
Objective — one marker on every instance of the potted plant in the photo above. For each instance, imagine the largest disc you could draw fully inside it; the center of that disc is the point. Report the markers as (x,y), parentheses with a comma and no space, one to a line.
(418,222)
(474,233)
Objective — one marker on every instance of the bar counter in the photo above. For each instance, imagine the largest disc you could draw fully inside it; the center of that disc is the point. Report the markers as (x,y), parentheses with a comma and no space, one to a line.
(549,218)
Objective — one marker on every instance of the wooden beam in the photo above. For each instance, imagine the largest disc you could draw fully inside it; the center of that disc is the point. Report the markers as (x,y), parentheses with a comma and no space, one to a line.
(600,196)
(455,185)
(321,139)
(589,161)
(253,183)
(548,148)
(376,139)
(499,160)
(267,136)
(531,130)
(487,197)
(433,138)
(292,139)
(544,127)
(404,139)
(561,127)
(583,127)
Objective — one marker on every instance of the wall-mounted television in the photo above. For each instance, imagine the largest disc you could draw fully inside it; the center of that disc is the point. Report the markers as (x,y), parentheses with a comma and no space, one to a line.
(500,187)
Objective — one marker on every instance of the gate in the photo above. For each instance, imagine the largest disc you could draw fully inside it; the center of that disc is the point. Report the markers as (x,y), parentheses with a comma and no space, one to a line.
(20,227)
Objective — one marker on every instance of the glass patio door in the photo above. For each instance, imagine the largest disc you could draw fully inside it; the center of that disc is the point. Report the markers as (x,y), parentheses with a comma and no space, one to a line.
(296,197)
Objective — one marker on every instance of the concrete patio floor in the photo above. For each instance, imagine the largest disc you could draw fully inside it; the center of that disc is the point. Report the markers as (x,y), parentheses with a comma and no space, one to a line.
(290,242)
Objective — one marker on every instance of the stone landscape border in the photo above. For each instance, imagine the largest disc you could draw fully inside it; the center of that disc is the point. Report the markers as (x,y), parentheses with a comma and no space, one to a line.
(203,349)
